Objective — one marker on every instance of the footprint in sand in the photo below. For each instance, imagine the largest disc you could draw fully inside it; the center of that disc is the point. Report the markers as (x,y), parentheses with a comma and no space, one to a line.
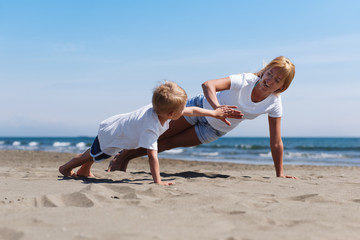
(95,194)
(302,198)
(10,234)
(315,198)
(76,199)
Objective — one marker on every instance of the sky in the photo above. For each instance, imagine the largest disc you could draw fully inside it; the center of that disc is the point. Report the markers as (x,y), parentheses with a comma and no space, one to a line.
(67,65)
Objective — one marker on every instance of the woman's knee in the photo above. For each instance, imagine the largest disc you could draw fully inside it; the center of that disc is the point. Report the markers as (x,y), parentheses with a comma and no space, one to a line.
(166,144)
(174,142)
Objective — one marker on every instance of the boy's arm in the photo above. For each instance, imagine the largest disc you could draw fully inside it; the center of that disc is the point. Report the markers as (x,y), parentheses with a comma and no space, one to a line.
(221,113)
(155,168)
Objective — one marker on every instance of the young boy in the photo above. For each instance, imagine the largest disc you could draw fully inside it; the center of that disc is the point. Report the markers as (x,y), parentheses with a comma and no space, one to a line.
(141,128)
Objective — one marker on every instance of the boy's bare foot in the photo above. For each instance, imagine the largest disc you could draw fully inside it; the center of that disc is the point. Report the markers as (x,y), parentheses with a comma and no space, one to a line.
(85,170)
(66,172)
(81,173)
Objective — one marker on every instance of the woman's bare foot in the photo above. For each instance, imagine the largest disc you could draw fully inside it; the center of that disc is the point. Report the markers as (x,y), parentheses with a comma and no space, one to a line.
(114,165)
(119,162)
(66,172)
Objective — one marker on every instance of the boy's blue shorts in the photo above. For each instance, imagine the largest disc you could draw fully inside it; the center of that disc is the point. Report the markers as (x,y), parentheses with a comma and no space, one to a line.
(204,131)
(96,152)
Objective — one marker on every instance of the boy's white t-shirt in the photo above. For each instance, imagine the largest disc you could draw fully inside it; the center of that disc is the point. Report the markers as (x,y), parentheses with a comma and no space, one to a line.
(140,128)
(239,95)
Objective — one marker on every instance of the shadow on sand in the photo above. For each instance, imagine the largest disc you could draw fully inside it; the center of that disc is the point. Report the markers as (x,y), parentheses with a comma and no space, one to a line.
(139,181)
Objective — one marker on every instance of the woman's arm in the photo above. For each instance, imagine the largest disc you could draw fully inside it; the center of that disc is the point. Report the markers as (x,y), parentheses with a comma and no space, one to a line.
(212,86)
(277,147)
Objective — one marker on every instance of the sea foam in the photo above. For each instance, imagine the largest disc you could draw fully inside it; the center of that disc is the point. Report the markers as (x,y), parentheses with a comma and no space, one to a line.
(206,153)
(174,151)
(61,144)
(81,145)
(33,144)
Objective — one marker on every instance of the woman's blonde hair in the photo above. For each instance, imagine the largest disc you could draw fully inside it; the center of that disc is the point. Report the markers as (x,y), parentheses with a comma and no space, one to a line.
(287,68)
(168,97)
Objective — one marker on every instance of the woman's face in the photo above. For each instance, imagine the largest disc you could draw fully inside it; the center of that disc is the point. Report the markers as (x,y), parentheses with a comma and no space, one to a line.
(271,80)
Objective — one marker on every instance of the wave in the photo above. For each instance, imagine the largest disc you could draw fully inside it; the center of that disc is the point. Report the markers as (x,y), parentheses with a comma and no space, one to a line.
(253,150)
(33,144)
(174,151)
(327,148)
(81,145)
(212,154)
(303,155)
(236,146)
(262,147)
(61,144)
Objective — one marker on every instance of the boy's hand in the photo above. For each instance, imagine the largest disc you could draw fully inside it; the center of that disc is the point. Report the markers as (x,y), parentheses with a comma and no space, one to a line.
(225,111)
(155,169)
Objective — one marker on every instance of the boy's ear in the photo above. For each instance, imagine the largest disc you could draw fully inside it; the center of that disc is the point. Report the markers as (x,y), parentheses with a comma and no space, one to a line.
(171,114)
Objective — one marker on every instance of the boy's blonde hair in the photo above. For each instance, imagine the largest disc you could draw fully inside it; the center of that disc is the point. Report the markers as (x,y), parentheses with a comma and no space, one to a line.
(286,67)
(168,97)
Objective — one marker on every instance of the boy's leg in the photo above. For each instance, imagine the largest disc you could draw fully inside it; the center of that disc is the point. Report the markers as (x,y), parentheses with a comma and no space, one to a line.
(78,160)
(180,134)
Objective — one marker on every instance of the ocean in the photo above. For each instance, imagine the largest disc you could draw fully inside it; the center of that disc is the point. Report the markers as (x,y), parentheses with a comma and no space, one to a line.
(248,150)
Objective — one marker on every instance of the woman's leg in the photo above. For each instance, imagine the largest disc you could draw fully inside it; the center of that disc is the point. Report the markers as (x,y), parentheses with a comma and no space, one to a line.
(186,138)
(176,127)
(180,134)
(121,160)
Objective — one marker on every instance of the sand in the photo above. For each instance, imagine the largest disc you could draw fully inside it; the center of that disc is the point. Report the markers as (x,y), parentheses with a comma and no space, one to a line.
(209,201)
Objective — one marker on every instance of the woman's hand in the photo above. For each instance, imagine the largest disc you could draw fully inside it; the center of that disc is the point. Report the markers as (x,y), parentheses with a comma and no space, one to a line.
(285,176)
(224,111)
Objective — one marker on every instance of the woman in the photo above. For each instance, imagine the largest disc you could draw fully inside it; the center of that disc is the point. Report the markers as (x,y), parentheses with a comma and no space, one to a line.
(253,93)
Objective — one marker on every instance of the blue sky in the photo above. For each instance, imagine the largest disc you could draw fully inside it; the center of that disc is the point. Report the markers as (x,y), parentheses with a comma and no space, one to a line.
(67,65)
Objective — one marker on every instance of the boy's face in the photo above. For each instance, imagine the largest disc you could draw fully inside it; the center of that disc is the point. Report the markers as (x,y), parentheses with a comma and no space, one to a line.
(177,115)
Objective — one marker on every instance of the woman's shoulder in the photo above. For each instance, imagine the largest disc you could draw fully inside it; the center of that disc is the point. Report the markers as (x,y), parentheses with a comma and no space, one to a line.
(243,76)
(275,100)
(243,79)
(250,76)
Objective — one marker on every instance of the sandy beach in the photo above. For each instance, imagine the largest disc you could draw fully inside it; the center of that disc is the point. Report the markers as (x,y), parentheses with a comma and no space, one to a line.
(209,201)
